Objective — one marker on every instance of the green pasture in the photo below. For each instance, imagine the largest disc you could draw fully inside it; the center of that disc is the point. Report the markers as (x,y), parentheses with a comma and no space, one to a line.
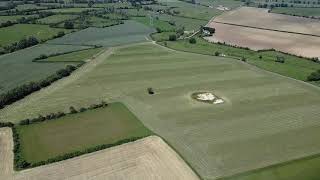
(24,7)
(295,67)
(164,36)
(71,10)
(297,11)
(56,18)
(188,23)
(305,168)
(156,23)
(129,32)
(17,32)
(17,68)
(78,56)
(14,18)
(266,119)
(80,131)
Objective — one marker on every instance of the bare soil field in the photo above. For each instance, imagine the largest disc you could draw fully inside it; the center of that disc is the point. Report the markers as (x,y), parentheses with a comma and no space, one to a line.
(258,39)
(148,158)
(260,18)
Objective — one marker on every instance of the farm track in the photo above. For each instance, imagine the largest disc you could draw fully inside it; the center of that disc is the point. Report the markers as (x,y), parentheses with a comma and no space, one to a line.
(147,158)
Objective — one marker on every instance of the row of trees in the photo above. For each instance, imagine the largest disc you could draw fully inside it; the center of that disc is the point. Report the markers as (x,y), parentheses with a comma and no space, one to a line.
(26,89)
(23,43)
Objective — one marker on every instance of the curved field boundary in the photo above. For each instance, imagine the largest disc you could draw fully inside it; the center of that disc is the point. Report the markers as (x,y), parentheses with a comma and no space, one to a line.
(253,27)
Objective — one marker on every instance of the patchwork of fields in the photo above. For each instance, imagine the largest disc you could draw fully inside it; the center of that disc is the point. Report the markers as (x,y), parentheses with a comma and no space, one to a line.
(147,158)
(266,119)
(17,32)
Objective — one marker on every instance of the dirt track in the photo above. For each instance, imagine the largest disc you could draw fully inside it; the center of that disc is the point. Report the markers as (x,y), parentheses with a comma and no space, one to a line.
(148,158)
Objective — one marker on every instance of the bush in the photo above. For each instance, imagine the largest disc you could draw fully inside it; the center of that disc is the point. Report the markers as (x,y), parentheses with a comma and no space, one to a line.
(172,37)
(68,25)
(280,59)
(216,53)
(72,110)
(243,59)
(315,76)
(150,91)
(192,41)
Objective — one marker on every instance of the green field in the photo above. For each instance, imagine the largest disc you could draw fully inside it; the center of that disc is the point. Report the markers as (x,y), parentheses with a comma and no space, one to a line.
(24,7)
(298,11)
(188,23)
(295,67)
(129,32)
(71,10)
(80,131)
(306,168)
(93,21)
(17,68)
(162,25)
(164,36)
(17,32)
(266,118)
(14,18)
(78,56)
(56,18)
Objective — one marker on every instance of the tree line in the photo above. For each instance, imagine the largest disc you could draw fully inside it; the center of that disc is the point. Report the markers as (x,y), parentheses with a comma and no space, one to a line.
(20,92)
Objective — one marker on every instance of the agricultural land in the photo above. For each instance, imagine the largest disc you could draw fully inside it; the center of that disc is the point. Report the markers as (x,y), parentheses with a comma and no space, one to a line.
(159,89)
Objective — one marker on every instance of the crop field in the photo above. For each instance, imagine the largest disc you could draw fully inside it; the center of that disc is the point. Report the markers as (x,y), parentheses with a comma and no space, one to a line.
(315,12)
(70,10)
(17,68)
(188,23)
(14,18)
(146,158)
(106,125)
(258,39)
(266,118)
(263,19)
(17,32)
(56,18)
(129,32)
(78,56)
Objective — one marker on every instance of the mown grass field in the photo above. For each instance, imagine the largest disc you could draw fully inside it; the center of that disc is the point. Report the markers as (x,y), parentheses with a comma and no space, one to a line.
(17,32)
(78,56)
(129,32)
(266,118)
(295,67)
(305,168)
(297,11)
(79,131)
(17,68)
(56,18)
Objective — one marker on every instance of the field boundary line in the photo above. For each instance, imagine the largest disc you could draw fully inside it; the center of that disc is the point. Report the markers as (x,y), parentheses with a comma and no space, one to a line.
(267,29)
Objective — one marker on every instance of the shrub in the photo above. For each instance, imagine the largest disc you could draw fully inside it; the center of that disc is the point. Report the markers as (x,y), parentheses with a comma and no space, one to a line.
(68,25)
(314,76)
(243,59)
(192,41)
(172,37)
(216,53)
(150,91)
(280,59)
(72,110)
